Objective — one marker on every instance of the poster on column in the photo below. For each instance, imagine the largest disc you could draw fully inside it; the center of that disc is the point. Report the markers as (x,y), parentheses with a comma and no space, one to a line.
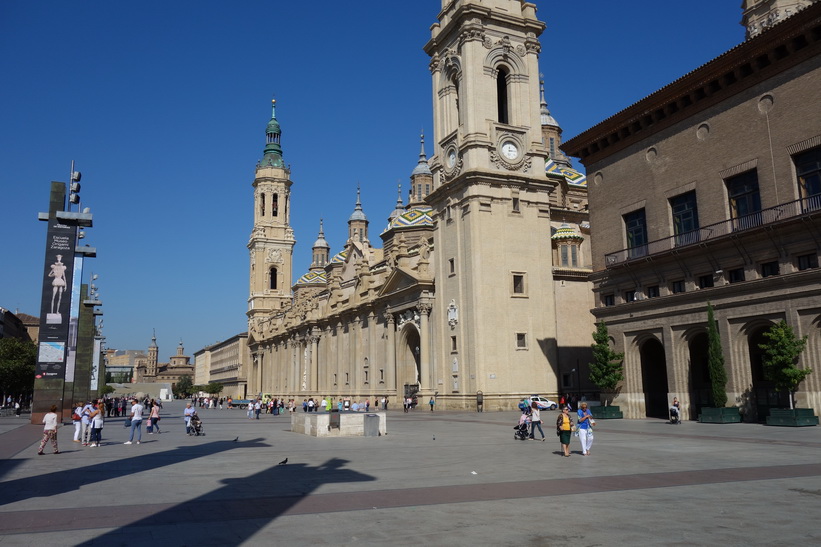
(55,315)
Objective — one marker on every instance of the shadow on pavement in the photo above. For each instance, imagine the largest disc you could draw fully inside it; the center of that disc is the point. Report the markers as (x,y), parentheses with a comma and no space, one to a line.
(238,500)
(60,482)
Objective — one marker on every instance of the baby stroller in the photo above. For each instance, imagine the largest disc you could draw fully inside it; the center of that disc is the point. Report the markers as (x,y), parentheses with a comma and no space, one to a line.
(675,416)
(196,426)
(521,429)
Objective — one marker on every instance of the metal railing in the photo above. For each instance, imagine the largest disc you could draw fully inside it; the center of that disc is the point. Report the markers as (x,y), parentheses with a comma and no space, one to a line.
(778,213)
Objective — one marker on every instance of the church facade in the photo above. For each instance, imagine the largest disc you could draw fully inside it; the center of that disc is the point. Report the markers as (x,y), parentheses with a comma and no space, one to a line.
(479,289)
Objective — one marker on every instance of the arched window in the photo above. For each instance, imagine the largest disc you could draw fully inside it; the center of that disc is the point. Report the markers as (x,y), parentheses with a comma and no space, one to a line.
(272,280)
(502,96)
(275,205)
(262,205)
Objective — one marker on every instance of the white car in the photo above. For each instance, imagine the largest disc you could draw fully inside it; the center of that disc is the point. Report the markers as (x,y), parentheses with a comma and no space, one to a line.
(544,403)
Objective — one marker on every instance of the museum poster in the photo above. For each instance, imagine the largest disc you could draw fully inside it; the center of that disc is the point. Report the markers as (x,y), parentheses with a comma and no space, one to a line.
(56,304)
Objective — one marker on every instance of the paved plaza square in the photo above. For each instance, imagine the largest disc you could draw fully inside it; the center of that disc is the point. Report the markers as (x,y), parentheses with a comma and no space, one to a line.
(439,478)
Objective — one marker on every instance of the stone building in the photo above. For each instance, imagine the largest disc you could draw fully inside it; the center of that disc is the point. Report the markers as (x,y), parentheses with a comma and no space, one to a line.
(709,190)
(150,370)
(226,363)
(480,285)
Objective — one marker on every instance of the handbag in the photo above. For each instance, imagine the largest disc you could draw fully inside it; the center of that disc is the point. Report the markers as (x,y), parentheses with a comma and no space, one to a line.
(127,422)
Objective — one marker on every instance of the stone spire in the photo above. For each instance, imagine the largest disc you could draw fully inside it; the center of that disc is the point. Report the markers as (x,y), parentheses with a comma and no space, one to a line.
(421,178)
(272,156)
(321,249)
(358,222)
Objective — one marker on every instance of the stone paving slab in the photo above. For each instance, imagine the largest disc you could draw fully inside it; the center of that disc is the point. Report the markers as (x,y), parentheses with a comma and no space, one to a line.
(441,478)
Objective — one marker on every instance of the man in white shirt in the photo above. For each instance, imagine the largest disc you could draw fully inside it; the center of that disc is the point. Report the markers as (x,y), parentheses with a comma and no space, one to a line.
(86,423)
(136,421)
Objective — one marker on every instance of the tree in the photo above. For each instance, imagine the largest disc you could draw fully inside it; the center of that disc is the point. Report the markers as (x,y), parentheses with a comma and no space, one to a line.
(106,389)
(17,362)
(184,386)
(607,366)
(213,388)
(781,352)
(715,362)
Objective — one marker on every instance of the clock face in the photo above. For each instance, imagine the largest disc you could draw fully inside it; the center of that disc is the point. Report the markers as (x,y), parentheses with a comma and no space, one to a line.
(451,158)
(510,150)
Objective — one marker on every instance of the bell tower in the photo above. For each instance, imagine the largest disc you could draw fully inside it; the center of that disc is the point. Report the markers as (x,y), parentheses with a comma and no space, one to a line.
(272,240)
(491,199)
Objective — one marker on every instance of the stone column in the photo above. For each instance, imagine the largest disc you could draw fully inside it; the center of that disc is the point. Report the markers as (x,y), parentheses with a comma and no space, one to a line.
(373,366)
(314,374)
(390,352)
(355,337)
(424,348)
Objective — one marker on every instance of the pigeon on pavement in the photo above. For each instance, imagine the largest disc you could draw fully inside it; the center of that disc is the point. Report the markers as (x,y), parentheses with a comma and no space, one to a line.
(283,462)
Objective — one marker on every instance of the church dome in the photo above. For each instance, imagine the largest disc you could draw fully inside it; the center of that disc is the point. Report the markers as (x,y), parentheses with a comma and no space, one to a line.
(566,231)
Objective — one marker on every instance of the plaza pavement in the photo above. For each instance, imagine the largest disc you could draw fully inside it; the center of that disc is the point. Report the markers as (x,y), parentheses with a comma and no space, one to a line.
(443,478)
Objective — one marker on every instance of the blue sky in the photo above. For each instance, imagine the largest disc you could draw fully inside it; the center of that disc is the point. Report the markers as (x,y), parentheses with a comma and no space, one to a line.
(163,107)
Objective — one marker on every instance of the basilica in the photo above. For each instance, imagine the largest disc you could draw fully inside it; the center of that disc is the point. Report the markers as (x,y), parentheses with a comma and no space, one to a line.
(475,287)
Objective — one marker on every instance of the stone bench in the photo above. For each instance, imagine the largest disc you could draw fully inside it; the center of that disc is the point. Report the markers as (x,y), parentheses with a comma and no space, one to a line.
(351,424)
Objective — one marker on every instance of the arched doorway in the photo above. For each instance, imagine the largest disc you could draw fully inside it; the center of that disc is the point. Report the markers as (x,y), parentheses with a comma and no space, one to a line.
(654,377)
(764,394)
(700,386)
(408,365)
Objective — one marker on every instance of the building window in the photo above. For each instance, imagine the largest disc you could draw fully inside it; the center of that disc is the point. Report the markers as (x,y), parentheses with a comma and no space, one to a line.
(705,281)
(521,340)
(652,291)
(515,205)
(453,344)
(502,96)
(275,205)
(806,262)
(735,275)
(272,279)
(745,201)
(769,268)
(262,205)
(334,378)
(366,377)
(519,287)
(685,218)
(677,286)
(635,224)
(630,296)
(347,379)
(609,300)
(569,255)
(567,380)
(808,170)
(552,148)
(451,266)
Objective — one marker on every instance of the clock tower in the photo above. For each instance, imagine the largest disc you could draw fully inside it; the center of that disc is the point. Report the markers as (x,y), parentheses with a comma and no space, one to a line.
(272,239)
(491,199)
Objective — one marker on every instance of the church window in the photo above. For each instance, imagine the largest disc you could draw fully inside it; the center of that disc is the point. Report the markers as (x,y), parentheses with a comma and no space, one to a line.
(366,377)
(334,378)
(519,286)
(521,340)
(427,189)
(275,204)
(262,205)
(552,148)
(808,170)
(451,266)
(502,96)
(453,343)
(272,281)
(347,378)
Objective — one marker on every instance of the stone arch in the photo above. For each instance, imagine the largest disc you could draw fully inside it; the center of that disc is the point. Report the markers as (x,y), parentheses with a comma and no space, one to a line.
(408,361)
(699,373)
(654,375)
(502,56)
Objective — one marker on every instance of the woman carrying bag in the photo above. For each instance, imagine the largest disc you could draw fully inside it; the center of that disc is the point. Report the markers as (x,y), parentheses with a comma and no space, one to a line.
(564,427)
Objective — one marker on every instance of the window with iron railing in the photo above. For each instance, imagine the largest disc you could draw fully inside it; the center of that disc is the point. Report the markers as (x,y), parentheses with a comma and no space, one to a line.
(808,171)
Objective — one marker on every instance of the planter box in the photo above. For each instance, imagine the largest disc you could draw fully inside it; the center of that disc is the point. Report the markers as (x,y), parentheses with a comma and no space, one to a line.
(606,412)
(723,415)
(797,417)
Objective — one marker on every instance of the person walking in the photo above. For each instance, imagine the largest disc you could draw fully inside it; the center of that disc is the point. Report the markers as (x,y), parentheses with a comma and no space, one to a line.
(136,421)
(155,416)
(564,426)
(431,403)
(535,420)
(77,420)
(586,423)
(85,435)
(49,431)
(97,419)
(186,415)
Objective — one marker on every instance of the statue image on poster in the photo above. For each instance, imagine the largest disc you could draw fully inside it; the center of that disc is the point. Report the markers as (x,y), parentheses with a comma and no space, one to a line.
(58,285)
